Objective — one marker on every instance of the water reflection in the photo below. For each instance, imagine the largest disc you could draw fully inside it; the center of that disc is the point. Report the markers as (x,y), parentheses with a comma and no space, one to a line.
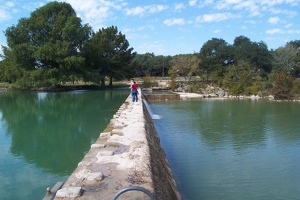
(219,122)
(51,129)
(232,149)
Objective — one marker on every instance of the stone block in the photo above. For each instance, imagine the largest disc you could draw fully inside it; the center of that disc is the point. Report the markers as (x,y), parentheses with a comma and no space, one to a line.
(94,177)
(69,192)
(105,135)
(98,146)
(84,164)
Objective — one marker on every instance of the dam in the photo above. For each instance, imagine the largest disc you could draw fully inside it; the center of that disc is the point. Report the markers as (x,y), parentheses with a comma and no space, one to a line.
(127,153)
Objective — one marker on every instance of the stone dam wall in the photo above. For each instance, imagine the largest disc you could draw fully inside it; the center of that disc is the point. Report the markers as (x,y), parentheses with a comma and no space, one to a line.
(127,153)
(162,177)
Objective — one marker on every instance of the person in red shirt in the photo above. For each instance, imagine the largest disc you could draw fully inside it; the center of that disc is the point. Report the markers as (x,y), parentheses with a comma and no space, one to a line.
(134,92)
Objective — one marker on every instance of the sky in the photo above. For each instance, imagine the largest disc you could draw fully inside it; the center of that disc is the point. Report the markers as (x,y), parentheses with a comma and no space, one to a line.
(171,27)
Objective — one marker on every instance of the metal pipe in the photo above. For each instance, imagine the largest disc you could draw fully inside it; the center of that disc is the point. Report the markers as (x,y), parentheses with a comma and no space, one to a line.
(134,188)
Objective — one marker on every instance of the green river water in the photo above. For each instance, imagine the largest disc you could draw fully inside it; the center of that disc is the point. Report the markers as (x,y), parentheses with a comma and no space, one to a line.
(225,150)
(43,136)
(232,149)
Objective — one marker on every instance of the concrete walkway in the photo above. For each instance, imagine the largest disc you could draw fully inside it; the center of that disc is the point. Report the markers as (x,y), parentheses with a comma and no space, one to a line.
(119,158)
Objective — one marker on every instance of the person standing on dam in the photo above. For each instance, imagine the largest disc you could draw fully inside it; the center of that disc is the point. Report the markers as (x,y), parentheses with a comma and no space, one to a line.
(134,91)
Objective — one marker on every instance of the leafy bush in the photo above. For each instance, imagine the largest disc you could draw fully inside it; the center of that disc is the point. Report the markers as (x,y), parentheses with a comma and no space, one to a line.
(296,87)
(283,84)
(149,82)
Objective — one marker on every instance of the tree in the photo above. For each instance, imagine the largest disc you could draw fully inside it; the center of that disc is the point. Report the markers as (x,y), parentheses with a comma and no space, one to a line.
(186,65)
(144,64)
(158,65)
(150,65)
(108,54)
(256,54)
(9,72)
(283,84)
(238,79)
(47,46)
(287,59)
(215,55)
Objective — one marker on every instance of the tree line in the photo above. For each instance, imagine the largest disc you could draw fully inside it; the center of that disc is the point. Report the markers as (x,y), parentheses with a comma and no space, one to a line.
(52,47)
(244,67)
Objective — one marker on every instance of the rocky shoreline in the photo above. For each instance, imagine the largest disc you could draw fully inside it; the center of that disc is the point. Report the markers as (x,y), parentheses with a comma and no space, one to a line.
(186,95)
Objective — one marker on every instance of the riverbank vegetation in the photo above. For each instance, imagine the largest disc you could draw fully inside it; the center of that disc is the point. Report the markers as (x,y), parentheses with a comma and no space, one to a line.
(52,49)
(241,68)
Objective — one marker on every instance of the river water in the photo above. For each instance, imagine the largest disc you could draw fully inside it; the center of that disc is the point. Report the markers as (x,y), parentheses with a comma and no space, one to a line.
(217,149)
(232,149)
(43,136)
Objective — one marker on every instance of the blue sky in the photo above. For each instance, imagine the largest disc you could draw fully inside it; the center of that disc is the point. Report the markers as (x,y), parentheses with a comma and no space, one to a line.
(170,27)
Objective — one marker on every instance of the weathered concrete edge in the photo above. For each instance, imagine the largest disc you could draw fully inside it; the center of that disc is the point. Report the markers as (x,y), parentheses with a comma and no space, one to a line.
(127,153)
(163,181)
(52,191)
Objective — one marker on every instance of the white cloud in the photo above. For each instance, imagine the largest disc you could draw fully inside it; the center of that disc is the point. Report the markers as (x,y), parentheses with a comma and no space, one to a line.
(88,4)
(4,15)
(179,6)
(214,17)
(226,4)
(140,11)
(233,1)
(5,11)
(97,12)
(273,31)
(217,31)
(254,7)
(156,8)
(192,2)
(175,21)
(288,25)
(272,3)
(289,13)
(251,6)
(136,11)
(274,20)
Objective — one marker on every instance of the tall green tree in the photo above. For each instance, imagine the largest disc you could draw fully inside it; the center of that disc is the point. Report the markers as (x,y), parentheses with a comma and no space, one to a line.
(215,54)
(47,46)
(108,54)
(9,72)
(149,64)
(254,53)
(144,64)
